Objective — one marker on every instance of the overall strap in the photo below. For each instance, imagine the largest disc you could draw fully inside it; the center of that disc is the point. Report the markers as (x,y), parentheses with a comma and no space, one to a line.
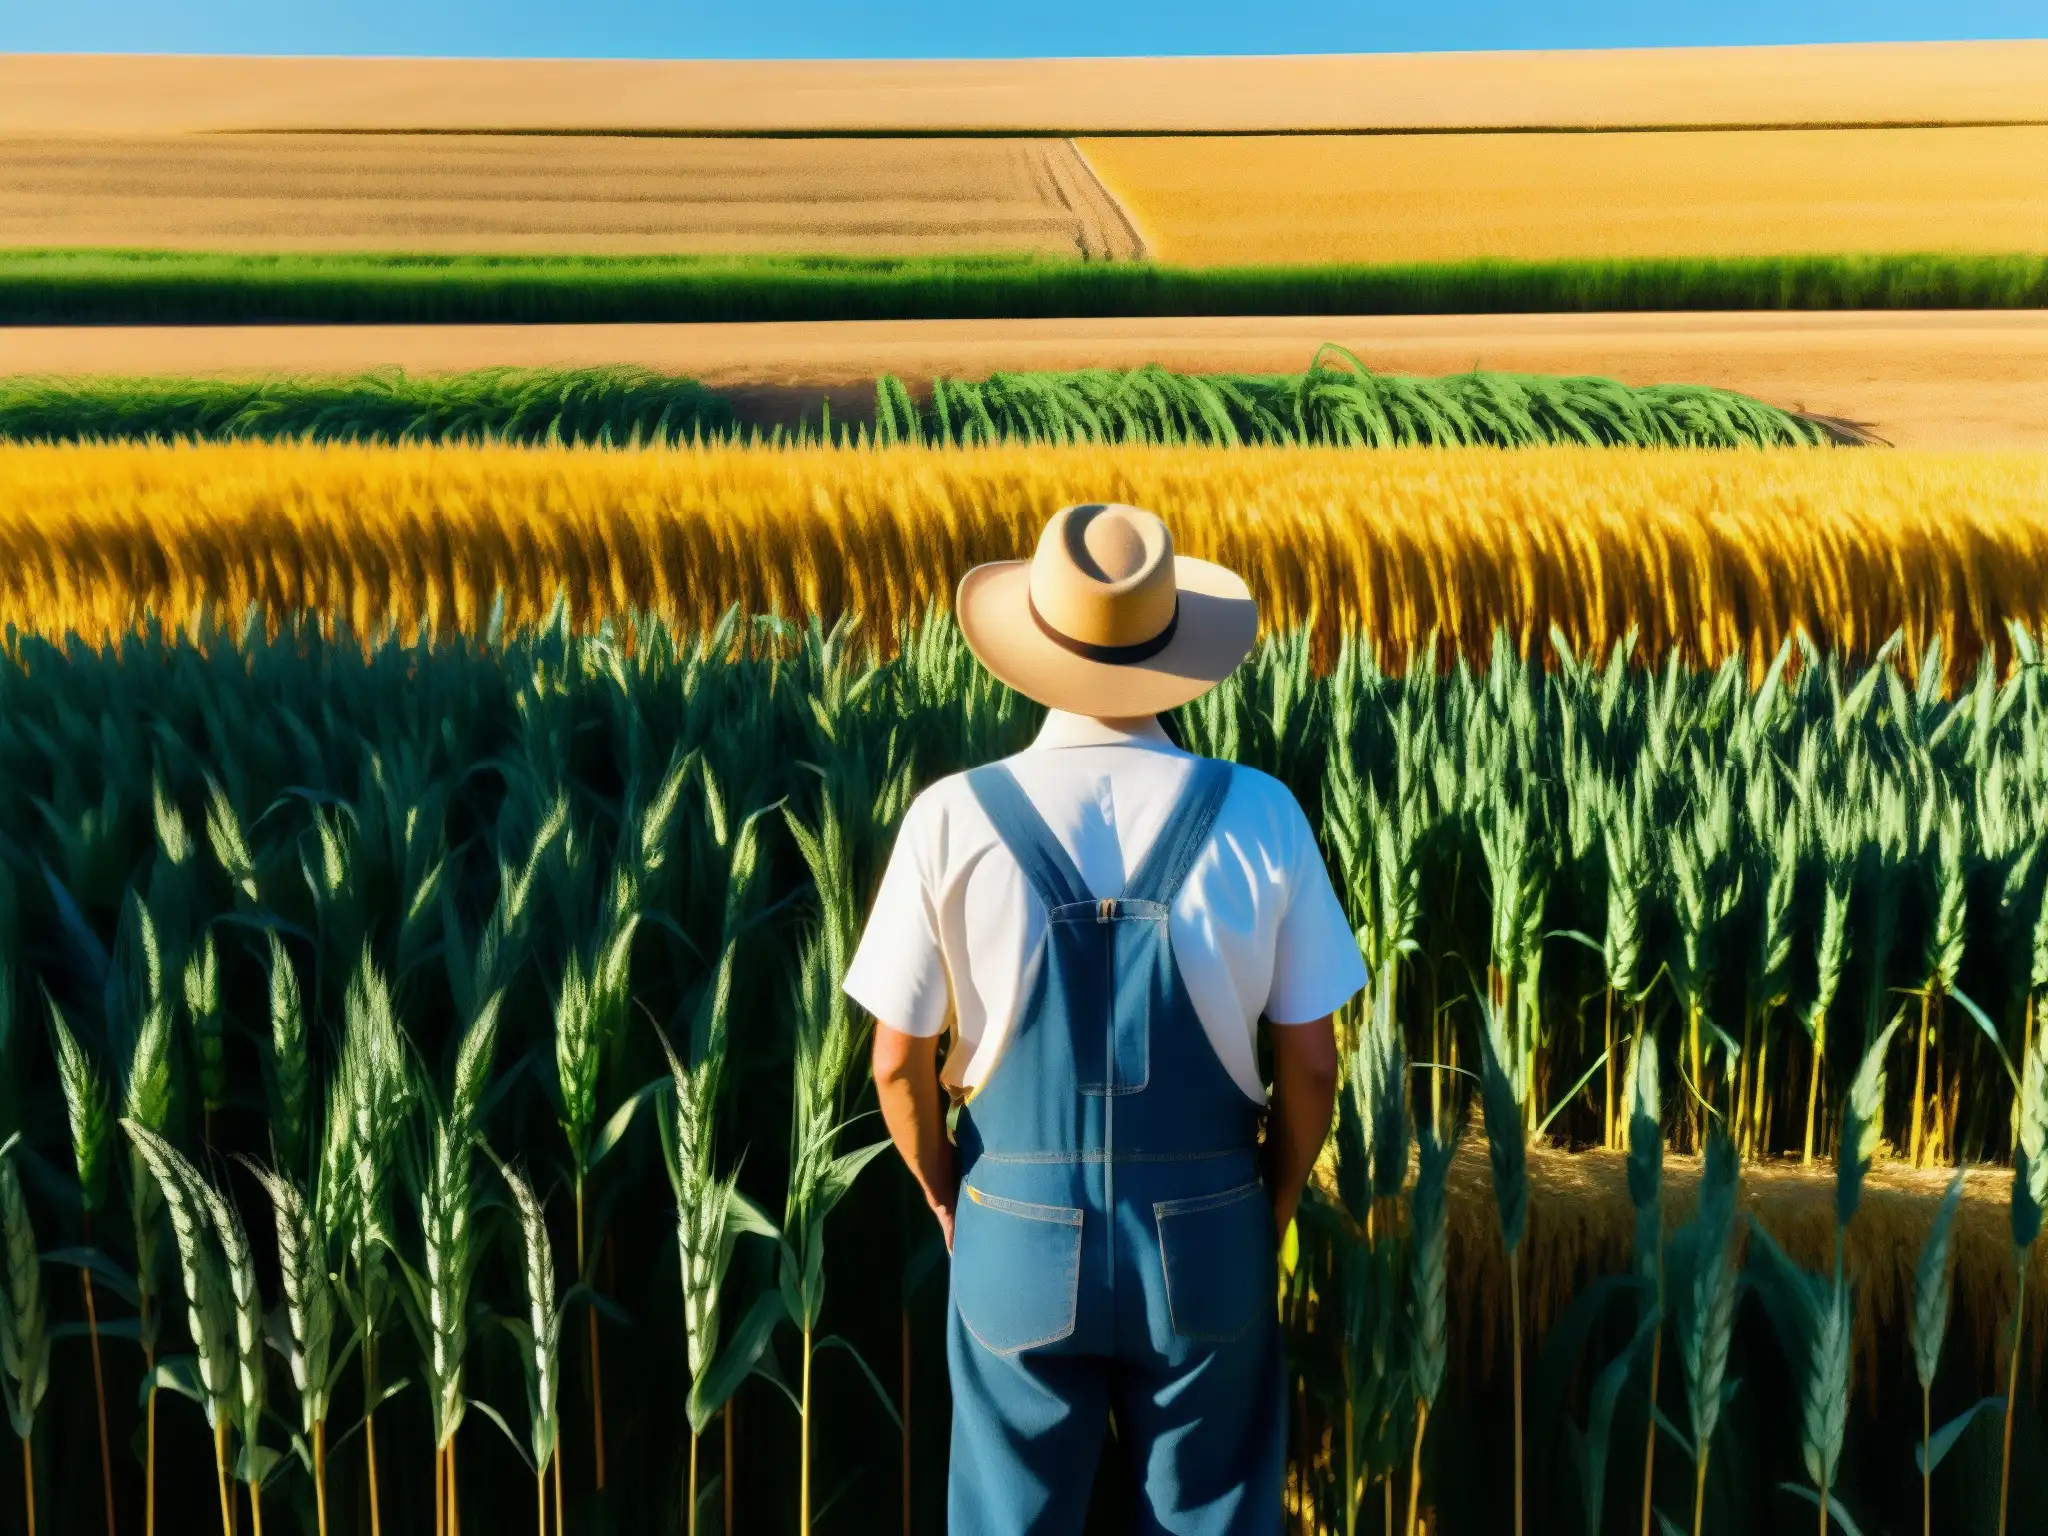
(1186,833)
(1038,853)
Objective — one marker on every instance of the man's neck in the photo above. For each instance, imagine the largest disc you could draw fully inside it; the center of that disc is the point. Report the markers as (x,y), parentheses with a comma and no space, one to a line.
(1064,729)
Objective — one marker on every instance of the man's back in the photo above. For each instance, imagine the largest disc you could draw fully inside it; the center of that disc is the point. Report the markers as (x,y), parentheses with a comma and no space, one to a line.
(1255,930)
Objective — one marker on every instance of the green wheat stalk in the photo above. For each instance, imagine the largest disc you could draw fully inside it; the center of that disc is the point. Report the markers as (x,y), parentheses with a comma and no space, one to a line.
(1705,1305)
(24,1335)
(304,1255)
(210,1303)
(290,1059)
(539,1336)
(1933,1285)
(1428,1293)
(1508,1152)
(1646,1194)
(88,1111)
(203,1008)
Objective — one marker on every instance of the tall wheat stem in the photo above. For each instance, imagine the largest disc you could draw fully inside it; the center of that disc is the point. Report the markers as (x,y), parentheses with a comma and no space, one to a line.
(99,1391)
(1607,1123)
(1415,1468)
(1699,1076)
(370,1433)
(1515,1318)
(540,1502)
(220,1470)
(804,1451)
(1699,1491)
(149,1437)
(454,1504)
(2012,1387)
(1820,1034)
(28,1483)
(1436,1079)
(690,1523)
(320,1473)
(1760,1119)
(1919,1087)
(256,1508)
(440,1490)
(556,1462)
(1744,1139)
(596,1377)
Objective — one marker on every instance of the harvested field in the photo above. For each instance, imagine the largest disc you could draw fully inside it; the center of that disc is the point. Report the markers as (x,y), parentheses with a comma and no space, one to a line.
(1544,196)
(1949,379)
(457,192)
(1911,83)
(1581,1225)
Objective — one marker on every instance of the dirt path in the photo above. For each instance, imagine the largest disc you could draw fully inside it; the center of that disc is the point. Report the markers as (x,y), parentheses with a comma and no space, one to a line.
(524,192)
(1920,379)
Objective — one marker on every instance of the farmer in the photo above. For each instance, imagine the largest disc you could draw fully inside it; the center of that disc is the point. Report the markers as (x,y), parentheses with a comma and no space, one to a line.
(1108,917)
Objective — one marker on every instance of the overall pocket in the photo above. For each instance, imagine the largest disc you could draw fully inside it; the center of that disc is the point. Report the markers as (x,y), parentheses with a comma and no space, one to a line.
(1218,1254)
(1016,1271)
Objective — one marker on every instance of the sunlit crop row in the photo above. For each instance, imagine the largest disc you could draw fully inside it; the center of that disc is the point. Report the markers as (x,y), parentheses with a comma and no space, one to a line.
(1708,552)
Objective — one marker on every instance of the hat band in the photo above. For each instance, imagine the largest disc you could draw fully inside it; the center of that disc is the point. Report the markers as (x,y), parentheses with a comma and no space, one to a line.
(1114,655)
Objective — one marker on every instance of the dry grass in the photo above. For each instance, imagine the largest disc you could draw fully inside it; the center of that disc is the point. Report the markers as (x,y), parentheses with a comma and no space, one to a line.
(1913,82)
(442,192)
(1446,197)
(1708,552)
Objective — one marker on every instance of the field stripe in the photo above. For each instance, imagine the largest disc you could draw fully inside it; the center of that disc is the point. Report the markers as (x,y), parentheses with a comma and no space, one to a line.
(1953,379)
(1582,196)
(2000,81)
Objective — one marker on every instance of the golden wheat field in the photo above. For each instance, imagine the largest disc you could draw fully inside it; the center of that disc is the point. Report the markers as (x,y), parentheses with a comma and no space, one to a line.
(1706,552)
(1535,196)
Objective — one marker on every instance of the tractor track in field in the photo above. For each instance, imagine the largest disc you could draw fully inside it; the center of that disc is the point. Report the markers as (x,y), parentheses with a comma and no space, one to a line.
(1928,379)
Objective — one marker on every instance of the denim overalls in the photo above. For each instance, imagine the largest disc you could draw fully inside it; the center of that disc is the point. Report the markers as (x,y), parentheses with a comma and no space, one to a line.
(1113,1247)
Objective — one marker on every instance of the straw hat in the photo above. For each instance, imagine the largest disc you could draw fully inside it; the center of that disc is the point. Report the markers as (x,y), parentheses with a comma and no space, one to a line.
(1104,619)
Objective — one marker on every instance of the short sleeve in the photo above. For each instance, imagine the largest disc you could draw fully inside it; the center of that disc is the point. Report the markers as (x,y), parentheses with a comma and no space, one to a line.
(898,973)
(1316,964)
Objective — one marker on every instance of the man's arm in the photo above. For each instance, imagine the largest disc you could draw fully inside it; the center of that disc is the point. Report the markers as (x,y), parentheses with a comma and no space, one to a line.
(1304,1095)
(914,1109)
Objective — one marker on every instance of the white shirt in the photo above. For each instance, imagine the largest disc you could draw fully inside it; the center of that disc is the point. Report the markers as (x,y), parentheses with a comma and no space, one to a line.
(1256,929)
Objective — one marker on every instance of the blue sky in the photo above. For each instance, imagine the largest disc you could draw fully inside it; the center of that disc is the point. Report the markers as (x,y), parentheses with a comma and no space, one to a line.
(973,28)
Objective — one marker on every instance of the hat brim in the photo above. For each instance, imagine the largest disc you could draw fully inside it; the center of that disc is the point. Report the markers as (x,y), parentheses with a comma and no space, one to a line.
(1218,621)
